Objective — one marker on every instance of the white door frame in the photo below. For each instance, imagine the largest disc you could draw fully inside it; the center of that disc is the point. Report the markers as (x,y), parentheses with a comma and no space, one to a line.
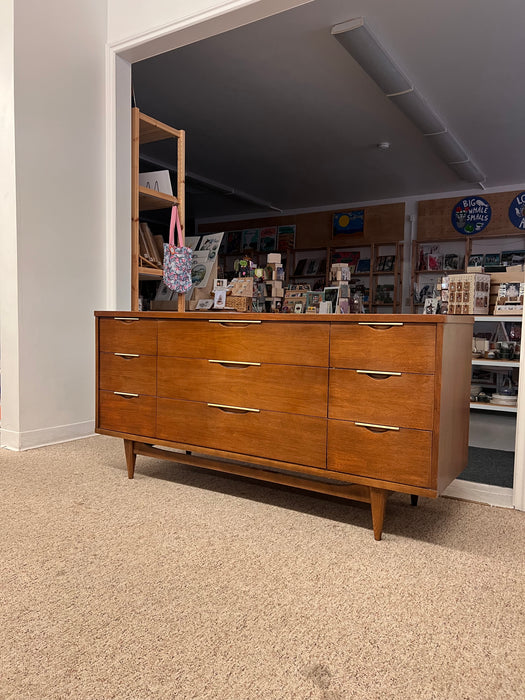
(119,58)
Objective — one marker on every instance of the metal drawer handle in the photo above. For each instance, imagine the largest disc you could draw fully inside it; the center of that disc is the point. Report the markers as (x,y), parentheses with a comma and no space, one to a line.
(380,323)
(126,395)
(127,355)
(229,321)
(234,362)
(381,427)
(233,408)
(374,371)
(125,318)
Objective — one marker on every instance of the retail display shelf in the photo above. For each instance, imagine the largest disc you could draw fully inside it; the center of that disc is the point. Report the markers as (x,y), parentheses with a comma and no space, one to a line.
(493,407)
(497,319)
(496,363)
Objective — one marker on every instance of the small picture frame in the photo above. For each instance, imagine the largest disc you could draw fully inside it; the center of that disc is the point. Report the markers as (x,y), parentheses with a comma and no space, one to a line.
(204,305)
(219,284)
(219,299)
(298,307)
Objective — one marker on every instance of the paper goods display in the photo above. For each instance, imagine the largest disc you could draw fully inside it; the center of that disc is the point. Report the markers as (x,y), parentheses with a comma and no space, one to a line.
(177,259)
(158,180)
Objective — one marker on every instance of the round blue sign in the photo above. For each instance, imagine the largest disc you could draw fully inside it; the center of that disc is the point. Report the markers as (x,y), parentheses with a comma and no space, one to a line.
(470,215)
(517,211)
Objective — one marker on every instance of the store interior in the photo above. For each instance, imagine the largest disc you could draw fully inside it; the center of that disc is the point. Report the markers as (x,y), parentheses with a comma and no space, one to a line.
(298,130)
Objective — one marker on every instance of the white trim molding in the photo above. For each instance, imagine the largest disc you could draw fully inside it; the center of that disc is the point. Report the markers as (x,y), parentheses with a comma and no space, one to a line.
(481,493)
(31,439)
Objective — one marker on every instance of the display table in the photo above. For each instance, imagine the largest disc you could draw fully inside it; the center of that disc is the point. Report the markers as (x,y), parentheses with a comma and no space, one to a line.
(355,406)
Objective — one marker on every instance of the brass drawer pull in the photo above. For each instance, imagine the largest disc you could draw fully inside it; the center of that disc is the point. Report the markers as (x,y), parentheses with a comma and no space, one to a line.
(235,362)
(229,321)
(381,427)
(234,408)
(126,355)
(374,371)
(126,395)
(125,318)
(380,323)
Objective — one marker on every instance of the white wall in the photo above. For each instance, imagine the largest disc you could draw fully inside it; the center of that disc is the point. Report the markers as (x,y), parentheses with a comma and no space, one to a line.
(8,248)
(59,237)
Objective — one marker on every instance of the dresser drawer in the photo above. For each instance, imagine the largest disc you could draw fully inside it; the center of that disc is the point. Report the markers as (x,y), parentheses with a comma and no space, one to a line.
(409,347)
(139,336)
(282,388)
(402,456)
(127,372)
(257,341)
(393,399)
(127,414)
(280,436)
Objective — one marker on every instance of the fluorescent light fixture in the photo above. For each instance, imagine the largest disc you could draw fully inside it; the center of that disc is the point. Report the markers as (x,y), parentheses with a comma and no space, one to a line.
(419,112)
(357,38)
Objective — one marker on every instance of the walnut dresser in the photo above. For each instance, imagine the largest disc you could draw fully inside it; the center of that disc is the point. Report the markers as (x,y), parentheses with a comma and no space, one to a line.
(355,406)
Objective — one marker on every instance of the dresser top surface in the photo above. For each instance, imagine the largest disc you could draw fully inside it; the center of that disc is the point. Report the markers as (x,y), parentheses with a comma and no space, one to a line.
(293,318)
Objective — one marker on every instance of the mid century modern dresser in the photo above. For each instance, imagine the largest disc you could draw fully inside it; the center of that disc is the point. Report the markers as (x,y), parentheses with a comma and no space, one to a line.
(356,406)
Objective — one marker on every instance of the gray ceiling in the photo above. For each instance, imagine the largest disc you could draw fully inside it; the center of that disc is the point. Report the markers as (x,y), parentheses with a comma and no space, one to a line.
(279,110)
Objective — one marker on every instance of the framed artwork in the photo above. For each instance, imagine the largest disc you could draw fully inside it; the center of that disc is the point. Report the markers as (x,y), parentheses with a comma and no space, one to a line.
(285,238)
(363,265)
(314,298)
(268,239)
(492,259)
(348,222)
(451,261)
(250,238)
(512,257)
(475,260)
(233,242)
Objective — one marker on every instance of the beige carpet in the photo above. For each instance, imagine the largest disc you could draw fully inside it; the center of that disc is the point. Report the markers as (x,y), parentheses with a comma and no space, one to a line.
(190,584)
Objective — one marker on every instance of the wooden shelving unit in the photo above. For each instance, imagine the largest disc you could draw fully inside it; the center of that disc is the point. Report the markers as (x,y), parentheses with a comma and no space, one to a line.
(145,130)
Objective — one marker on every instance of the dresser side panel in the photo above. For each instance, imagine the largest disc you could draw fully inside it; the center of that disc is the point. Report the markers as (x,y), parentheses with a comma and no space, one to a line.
(454,409)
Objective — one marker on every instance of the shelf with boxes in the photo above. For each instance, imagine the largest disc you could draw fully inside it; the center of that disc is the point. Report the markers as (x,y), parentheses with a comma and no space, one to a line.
(496,353)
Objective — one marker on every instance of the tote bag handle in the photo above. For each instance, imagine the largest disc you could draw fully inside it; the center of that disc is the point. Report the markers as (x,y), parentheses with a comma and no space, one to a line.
(175,221)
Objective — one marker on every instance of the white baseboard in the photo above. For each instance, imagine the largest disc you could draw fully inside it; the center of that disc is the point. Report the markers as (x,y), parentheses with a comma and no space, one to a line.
(481,493)
(30,439)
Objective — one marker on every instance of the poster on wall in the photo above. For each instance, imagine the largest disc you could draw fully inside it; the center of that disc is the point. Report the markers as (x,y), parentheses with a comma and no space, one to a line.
(250,239)
(517,211)
(471,215)
(268,239)
(349,222)
(285,238)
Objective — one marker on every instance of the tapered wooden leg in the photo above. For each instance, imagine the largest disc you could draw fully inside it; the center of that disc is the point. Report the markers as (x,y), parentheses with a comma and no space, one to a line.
(413,499)
(131,457)
(378,504)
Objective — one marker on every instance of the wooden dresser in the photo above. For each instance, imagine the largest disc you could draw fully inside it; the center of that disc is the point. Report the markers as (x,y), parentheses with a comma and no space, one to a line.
(354,406)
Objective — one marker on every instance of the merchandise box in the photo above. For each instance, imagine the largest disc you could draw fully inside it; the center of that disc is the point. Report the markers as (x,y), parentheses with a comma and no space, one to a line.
(514,275)
(468,293)
(510,299)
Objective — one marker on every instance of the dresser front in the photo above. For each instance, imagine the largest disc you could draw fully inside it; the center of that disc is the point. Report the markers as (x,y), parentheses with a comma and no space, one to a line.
(353,398)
